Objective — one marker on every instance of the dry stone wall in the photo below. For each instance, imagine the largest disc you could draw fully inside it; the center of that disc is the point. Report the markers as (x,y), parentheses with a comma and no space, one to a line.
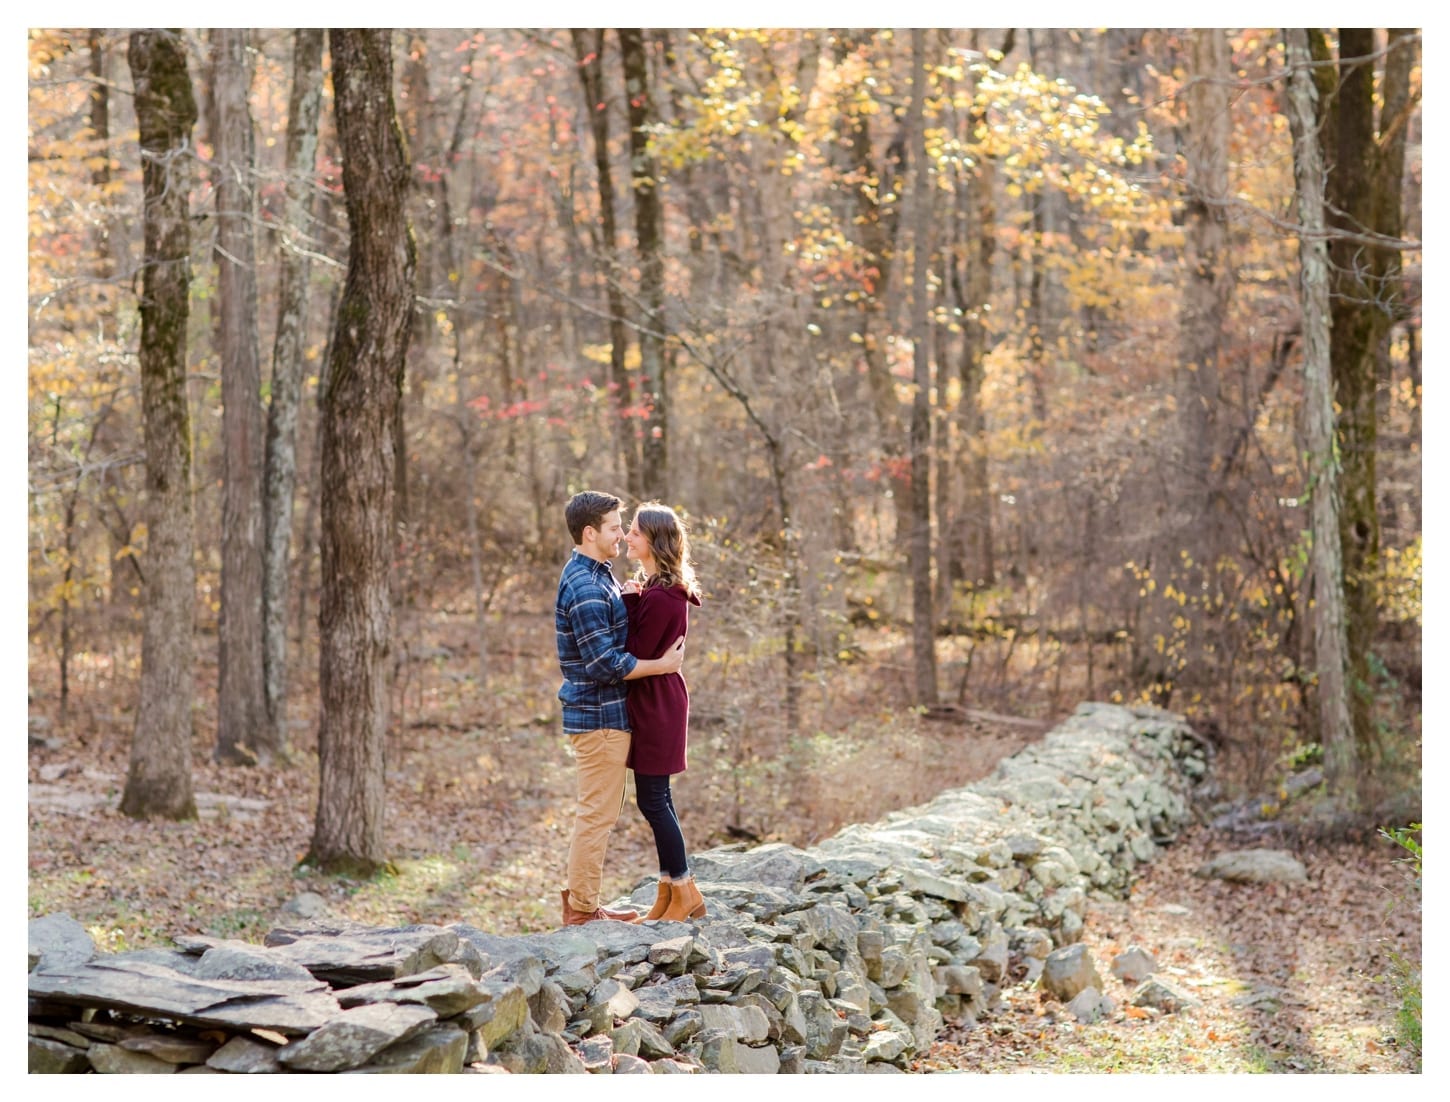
(845,957)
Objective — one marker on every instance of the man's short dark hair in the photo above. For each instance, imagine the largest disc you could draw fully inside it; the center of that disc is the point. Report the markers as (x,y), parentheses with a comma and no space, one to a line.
(587,509)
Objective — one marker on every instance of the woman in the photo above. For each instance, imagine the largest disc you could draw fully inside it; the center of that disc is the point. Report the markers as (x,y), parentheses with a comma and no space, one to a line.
(658,599)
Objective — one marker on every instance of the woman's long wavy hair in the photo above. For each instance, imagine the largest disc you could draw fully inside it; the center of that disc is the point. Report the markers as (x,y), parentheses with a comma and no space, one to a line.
(669,543)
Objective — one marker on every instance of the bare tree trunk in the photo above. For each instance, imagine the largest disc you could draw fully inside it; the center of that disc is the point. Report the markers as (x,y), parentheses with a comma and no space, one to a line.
(1364,193)
(158,780)
(363,392)
(923,620)
(649,239)
(287,354)
(1208,288)
(245,735)
(1336,732)
(589,52)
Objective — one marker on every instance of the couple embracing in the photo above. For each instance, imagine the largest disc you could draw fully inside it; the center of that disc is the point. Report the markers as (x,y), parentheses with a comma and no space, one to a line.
(624,700)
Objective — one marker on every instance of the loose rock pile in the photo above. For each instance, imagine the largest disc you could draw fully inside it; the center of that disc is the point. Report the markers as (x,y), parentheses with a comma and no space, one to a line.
(841,958)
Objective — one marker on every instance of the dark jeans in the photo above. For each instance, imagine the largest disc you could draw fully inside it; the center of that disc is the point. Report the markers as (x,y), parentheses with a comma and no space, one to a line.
(653,796)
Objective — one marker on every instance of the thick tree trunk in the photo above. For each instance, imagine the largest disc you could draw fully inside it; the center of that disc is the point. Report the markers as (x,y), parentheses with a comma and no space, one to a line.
(589,53)
(649,243)
(158,780)
(363,391)
(1208,287)
(1363,195)
(1336,733)
(287,356)
(923,620)
(245,734)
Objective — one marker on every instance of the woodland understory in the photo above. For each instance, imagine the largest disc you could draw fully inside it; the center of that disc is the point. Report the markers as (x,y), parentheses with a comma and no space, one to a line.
(994,371)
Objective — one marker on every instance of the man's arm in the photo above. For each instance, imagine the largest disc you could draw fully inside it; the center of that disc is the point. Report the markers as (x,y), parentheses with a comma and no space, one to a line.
(669,662)
(589,617)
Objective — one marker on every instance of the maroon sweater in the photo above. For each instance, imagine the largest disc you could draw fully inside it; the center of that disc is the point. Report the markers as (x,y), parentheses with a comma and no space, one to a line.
(659,707)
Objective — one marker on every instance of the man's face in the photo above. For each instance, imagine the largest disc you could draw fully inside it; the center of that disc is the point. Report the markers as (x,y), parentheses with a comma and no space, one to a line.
(603,543)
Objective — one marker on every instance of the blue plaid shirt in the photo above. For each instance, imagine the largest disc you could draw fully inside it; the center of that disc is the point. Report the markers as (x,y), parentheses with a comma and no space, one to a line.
(591,625)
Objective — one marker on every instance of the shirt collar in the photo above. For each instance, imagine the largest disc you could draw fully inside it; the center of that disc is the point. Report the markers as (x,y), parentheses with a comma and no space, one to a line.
(592,564)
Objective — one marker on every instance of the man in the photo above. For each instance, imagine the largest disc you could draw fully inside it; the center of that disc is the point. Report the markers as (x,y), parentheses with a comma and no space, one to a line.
(591,625)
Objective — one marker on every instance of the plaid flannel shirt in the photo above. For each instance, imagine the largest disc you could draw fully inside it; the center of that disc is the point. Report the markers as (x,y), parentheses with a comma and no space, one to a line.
(591,626)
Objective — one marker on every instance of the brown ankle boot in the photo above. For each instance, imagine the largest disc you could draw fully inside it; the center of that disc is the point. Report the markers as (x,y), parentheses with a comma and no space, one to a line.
(685,901)
(662,902)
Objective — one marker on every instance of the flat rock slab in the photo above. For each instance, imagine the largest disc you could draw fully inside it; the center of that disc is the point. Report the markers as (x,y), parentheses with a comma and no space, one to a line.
(347,954)
(446,990)
(1255,866)
(354,1037)
(438,1050)
(155,990)
(244,1056)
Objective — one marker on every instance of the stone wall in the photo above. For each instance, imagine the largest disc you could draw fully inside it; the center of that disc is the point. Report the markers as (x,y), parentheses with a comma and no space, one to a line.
(842,958)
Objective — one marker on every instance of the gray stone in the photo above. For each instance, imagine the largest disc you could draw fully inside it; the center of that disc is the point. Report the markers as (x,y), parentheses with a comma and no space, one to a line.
(1255,866)
(1068,971)
(539,1054)
(244,1056)
(671,1067)
(887,1044)
(683,1026)
(346,954)
(171,1048)
(241,961)
(1133,965)
(919,880)
(354,1036)
(671,953)
(656,1002)
(51,1057)
(1162,996)
(616,999)
(115,1060)
(58,941)
(134,984)
(1090,1005)
(503,1011)
(447,990)
(774,865)
(57,1033)
(438,1050)
(597,1055)
(550,1008)
(306,905)
(631,1065)
(744,1023)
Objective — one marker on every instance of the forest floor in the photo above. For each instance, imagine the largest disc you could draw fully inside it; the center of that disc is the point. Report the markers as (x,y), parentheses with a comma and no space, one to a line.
(479,798)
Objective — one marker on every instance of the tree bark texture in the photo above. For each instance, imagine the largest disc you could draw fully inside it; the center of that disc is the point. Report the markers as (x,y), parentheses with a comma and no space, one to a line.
(1363,196)
(245,734)
(1208,288)
(158,780)
(288,347)
(589,54)
(923,619)
(1336,733)
(970,536)
(649,243)
(363,391)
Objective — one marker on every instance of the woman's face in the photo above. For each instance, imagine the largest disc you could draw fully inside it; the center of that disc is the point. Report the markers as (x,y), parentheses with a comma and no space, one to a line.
(639,548)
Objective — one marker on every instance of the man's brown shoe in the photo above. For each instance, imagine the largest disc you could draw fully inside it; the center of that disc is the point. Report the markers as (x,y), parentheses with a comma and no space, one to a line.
(578,918)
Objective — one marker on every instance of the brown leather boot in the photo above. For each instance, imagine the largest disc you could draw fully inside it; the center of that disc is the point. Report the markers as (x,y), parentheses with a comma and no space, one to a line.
(578,918)
(662,901)
(685,901)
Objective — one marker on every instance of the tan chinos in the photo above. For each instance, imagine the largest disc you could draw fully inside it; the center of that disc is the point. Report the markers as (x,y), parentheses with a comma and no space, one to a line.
(600,756)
